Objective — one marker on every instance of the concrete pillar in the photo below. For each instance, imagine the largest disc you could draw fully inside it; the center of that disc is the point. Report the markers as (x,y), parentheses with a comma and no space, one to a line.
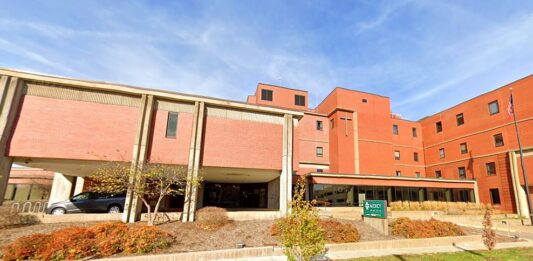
(389,195)
(78,188)
(61,188)
(448,194)
(519,190)
(356,141)
(286,166)
(193,166)
(421,195)
(133,204)
(11,90)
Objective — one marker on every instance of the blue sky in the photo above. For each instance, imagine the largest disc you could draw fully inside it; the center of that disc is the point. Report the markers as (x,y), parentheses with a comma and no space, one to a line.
(425,55)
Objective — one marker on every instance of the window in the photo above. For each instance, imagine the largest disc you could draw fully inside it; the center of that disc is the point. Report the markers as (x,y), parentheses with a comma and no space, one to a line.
(395,129)
(442,154)
(365,100)
(464,148)
(319,125)
(491,168)
(438,126)
(495,196)
(319,151)
(332,123)
(494,108)
(299,100)
(397,155)
(414,133)
(417,174)
(498,140)
(460,119)
(438,174)
(319,170)
(462,172)
(172,125)
(398,173)
(415,156)
(266,95)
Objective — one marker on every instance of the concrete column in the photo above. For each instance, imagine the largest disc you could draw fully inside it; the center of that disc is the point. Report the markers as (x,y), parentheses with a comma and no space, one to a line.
(11,90)
(519,190)
(78,188)
(133,204)
(193,166)
(356,141)
(286,166)
(421,195)
(448,195)
(61,188)
(389,195)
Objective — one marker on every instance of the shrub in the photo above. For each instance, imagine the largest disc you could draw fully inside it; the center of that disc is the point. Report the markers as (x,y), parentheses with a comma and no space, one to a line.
(14,219)
(448,207)
(99,240)
(408,228)
(211,218)
(337,232)
(145,239)
(489,237)
(25,247)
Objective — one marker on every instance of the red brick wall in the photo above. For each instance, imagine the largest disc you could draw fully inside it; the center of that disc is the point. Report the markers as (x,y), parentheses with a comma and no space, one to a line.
(170,150)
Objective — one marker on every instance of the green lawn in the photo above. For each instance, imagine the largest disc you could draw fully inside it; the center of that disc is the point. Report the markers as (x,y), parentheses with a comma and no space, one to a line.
(502,254)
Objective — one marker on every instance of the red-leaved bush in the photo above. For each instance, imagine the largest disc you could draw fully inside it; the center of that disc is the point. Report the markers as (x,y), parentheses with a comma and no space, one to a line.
(99,240)
(408,228)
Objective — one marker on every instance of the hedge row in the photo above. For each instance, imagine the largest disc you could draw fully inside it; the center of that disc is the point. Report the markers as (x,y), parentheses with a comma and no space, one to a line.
(408,228)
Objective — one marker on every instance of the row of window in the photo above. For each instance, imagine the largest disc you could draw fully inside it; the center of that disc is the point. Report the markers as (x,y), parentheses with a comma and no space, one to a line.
(397,155)
(268,95)
(498,142)
(396,131)
(493,106)
(399,174)
(490,168)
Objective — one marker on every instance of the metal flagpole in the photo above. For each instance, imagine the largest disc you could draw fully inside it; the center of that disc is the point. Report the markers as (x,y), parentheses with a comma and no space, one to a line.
(524,171)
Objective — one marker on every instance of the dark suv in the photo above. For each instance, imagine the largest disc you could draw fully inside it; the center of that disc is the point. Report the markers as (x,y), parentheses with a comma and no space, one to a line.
(89,202)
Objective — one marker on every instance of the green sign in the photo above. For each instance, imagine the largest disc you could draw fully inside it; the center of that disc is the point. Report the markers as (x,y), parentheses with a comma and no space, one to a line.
(375,208)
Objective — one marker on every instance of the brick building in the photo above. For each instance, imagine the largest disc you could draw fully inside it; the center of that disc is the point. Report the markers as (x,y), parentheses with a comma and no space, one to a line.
(351,146)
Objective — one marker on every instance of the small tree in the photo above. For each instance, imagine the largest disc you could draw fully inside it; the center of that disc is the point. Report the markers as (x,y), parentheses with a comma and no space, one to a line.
(489,237)
(155,181)
(301,236)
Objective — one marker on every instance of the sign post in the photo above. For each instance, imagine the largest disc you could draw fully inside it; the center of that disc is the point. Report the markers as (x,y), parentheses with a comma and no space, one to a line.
(375,215)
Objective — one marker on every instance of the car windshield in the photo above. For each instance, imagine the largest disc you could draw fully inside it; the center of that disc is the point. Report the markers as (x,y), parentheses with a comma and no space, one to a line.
(82,196)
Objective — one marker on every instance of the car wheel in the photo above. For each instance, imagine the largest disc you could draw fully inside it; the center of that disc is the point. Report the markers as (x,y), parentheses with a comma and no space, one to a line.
(114,209)
(59,211)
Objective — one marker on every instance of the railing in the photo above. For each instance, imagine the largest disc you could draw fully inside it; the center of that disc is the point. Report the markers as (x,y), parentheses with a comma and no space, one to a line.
(28,207)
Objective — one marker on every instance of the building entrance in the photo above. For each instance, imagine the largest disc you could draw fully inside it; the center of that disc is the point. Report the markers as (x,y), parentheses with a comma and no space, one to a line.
(227,195)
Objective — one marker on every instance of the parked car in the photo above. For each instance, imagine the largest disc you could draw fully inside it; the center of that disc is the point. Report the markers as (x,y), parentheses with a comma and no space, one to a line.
(89,202)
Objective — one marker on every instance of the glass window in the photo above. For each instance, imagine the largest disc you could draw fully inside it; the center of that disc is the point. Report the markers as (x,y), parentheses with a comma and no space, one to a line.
(365,100)
(462,172)
(266,95)
(464,148)
(397,155)
(491,168)
(494,108)
(415,156)
(332,123)
(319,125)
(442,154)
(398,173)
(172,125)
(319,151)
(438,126)
(333,195)
(495,196)
(395,129)
(414,133)
(299,100)
(83,196)
(438,174)
(460,119)
(498,140)
(417,174)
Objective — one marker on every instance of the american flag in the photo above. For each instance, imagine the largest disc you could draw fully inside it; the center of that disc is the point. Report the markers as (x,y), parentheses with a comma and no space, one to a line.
(510,107)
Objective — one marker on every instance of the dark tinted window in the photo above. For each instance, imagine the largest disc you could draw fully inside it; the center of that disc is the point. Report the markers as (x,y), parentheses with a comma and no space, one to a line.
(460,119)
(415,156)
(319,125)
(495,196)
(414,133)
(299,100)
(395,129)
(494,107)
(438,126)
(438,174)
(498,140)
(266,95)
(462,172)
(172,124)
(491,168)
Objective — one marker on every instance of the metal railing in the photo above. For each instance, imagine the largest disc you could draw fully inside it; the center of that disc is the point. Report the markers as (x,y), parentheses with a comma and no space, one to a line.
(28,207)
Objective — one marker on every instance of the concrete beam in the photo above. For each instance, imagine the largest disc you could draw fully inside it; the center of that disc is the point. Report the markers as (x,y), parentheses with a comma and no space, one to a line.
(11,90)
(61,188)
(133,205)
(193,166)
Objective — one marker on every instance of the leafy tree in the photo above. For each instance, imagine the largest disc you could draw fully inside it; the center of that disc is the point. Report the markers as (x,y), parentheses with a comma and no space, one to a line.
(155,181)
(301,236)
(489,236)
